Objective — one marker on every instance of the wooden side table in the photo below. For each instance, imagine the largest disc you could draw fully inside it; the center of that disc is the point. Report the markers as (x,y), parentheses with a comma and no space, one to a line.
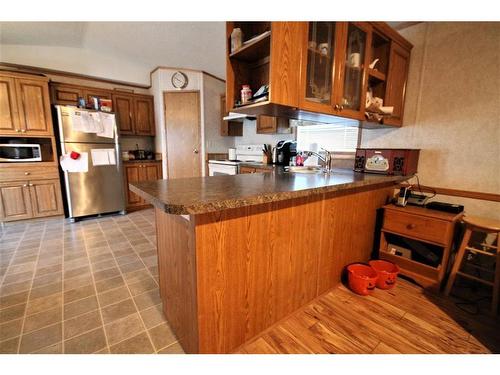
(428,227)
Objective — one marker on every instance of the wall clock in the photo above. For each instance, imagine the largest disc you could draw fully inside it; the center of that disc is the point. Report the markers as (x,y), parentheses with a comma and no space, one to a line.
(179,80)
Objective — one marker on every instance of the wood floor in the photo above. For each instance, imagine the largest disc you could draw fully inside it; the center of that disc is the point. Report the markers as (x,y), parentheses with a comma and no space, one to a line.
(406,319)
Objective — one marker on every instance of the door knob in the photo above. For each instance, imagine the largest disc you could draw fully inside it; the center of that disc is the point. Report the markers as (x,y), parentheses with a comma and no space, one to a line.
(195,151)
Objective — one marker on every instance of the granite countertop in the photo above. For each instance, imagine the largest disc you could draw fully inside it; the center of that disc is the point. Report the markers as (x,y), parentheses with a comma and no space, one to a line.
(199,195)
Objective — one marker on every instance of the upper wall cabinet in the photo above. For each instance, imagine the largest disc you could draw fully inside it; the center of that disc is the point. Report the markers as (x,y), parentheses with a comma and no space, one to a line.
(316,70)
(269,57)
(134,112)
(144,115)
(24,105)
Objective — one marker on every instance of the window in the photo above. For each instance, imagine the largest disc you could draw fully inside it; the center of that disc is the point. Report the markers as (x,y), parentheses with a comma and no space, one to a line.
(333,137)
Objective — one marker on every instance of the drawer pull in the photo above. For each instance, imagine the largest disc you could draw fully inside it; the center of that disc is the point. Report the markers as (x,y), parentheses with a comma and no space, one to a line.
(30,184)
(25,185)
(410,226)
(26,173)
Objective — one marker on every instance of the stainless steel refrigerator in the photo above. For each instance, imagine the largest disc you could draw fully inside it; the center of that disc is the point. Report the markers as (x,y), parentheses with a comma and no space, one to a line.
(99,190)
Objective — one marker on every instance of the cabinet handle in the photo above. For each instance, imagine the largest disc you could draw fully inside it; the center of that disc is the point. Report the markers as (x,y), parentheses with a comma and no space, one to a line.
(23,130)
(341,107)
(25,185)
(26,173)
(195,151)
(18,130)
(30,184)
(410,226)
(337,107)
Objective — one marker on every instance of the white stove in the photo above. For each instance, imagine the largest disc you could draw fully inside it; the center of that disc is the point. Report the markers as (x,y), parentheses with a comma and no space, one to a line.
(244,153)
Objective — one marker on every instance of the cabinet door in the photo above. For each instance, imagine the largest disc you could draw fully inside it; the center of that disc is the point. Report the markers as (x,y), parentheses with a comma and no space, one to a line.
(350,98)
(318,77)
(124,107)
(15,203)
(88,93)
(399,61)
(266,124)
(46,197)
(132,174)
(9,116)
(34,106)
(247,170)
(65,94)
(144,116)
(148,172)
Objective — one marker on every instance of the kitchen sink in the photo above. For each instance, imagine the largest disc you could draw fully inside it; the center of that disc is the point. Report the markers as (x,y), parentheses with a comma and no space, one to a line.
(303,169)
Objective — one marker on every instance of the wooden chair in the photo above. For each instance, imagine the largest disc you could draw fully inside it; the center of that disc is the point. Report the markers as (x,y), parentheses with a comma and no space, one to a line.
(478,224)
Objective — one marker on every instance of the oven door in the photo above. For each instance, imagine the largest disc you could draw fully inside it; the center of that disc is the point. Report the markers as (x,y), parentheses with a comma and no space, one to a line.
(222,169)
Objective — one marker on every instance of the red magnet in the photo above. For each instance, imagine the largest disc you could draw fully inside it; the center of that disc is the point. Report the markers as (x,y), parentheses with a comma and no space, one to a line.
(74,155)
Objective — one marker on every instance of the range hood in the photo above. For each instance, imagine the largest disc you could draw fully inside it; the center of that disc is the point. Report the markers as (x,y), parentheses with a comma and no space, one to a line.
(232,116)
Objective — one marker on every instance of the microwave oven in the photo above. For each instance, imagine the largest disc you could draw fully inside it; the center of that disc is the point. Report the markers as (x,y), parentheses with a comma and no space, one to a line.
(19,152)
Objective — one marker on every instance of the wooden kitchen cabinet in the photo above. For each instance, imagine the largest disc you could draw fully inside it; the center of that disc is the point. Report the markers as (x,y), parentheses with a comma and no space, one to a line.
(24,104)
(34,106)
(15,201)
(136,172)
(123,106)
(317,70)
(399,64)
(30,190)
(30,199)
(9,117)
(46,199)
(65,94)
(144,115)
(272,125)
(135,114)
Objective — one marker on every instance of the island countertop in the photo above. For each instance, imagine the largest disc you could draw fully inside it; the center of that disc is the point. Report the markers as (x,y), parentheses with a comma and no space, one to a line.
(198,195)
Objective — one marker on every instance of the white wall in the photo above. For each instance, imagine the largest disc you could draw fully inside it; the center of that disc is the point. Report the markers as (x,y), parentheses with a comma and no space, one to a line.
(77,60)
(250,135)
(452,109)
(210,91)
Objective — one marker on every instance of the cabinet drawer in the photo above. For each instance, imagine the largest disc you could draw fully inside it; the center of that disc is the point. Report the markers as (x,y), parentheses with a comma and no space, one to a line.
(18,173)
(415,226)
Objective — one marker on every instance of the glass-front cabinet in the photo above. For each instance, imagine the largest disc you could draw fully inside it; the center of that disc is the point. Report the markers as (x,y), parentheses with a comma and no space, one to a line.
(353,64)
(318,79)
(334,78)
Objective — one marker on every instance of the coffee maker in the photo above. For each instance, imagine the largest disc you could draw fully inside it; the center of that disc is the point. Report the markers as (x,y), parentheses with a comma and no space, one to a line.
(283,151)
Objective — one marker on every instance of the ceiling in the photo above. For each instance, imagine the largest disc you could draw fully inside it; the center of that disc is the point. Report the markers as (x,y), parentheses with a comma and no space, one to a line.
(196,45)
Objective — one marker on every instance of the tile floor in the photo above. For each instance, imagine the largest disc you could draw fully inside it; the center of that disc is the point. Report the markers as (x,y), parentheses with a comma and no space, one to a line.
(87,287)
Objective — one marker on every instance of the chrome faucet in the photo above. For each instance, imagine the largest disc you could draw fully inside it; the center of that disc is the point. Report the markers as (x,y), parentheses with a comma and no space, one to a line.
(327,159)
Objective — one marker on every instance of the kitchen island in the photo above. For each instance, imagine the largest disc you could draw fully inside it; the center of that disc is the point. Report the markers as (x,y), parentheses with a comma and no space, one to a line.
(238,253)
